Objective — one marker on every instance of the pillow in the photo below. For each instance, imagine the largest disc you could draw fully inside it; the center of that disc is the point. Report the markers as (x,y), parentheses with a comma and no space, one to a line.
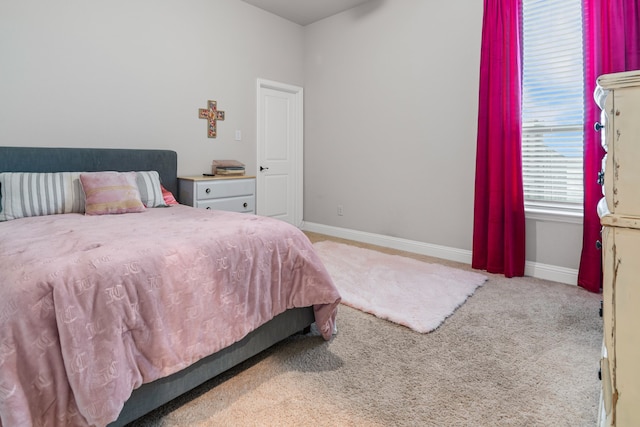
(111,193)
(168,196)
(25,194)
(149,187)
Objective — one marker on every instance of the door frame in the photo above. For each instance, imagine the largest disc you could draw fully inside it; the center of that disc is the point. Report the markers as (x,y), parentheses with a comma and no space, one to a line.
(298,144)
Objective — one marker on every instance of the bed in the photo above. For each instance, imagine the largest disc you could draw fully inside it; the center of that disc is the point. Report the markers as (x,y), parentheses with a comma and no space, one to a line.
(109,314)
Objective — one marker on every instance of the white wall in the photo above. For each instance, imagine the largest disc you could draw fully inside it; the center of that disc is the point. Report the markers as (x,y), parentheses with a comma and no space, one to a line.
(391,98)
(391,93)
(125,73)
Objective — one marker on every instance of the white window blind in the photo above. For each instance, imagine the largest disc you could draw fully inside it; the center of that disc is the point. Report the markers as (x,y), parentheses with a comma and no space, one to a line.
(552,105)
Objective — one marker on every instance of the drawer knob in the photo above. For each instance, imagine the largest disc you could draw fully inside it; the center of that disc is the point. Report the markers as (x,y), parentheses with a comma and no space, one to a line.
(598,244)
(245,204)
(208,190)
(598,126)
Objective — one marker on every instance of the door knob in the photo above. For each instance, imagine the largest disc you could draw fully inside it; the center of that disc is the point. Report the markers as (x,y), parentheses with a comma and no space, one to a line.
(263,169)
(598,127)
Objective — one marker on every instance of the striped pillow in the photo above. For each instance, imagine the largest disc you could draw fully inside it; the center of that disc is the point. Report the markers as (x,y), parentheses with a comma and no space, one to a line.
(150,190)
(25,194)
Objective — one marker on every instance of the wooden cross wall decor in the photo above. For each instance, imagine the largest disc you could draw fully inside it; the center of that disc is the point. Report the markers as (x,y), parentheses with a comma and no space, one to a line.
(212,114)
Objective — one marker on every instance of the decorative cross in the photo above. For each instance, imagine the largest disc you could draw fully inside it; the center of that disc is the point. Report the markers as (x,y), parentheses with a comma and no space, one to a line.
(212,114)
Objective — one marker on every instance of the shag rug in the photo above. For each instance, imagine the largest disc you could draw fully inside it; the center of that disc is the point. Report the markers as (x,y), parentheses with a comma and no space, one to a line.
(403,290)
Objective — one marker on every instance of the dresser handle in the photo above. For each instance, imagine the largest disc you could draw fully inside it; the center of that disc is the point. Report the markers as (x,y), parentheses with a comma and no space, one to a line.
(601,308)
(601,178)
(598,127)
(208,190)
(245,204)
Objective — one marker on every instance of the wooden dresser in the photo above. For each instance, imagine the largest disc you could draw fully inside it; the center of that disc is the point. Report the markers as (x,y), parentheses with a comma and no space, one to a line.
(618,96)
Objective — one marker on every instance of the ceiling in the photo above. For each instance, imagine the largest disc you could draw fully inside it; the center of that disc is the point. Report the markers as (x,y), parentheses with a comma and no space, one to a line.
(305,12)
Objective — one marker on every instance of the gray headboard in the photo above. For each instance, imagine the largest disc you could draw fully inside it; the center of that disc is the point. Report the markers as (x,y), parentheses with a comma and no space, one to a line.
(46,159)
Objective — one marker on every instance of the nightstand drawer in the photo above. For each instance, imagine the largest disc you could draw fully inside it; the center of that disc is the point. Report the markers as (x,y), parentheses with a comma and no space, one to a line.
(234,204)
(219,189)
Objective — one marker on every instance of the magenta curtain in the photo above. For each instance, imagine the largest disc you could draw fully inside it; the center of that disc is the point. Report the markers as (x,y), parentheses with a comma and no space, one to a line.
(499,223)
(612,44)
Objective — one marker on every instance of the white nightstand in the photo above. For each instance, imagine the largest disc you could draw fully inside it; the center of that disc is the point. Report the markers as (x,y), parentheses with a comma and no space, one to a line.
(237,194)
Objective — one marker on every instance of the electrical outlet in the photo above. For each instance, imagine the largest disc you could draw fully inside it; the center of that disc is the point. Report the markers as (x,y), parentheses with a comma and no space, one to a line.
(340,210)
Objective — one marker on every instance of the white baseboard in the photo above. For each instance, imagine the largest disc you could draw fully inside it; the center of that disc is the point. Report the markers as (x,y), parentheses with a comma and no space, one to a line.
(551,272)
(532,269)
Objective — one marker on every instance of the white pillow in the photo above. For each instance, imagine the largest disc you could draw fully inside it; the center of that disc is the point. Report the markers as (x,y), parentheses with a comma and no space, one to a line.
(25,194)
(150,190)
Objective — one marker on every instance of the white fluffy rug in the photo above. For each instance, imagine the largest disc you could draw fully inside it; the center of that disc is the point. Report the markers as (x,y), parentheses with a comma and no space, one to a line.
(399,289)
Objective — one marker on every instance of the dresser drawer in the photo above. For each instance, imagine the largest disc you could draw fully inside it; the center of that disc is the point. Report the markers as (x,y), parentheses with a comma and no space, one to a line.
(235,204)
(621,139)
(225,188)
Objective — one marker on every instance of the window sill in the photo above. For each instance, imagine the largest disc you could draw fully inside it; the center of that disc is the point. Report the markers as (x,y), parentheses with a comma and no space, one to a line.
(553,216)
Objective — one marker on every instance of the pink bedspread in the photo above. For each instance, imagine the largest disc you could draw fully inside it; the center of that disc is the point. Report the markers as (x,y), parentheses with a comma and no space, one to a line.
(91,307)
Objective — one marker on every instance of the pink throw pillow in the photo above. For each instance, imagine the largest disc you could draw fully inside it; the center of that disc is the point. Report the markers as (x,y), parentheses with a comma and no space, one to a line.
(168,196)
(111,193)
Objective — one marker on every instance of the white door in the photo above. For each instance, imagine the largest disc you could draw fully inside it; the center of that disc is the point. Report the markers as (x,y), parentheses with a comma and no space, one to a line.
(279,142)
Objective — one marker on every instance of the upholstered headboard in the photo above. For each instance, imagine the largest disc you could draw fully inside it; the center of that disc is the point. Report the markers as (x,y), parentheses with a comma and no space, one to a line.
(46,159)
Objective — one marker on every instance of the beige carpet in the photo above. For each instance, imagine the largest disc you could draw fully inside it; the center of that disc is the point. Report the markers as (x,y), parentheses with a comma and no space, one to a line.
(519,352)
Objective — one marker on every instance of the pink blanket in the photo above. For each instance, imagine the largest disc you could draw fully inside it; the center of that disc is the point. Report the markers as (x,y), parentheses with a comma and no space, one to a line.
(92,307)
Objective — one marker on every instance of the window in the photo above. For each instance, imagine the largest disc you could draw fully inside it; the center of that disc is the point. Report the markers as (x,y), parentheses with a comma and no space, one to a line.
(552,105)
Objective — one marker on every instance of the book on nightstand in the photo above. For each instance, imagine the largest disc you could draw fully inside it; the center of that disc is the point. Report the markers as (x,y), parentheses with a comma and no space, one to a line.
(231,171)
(227,167)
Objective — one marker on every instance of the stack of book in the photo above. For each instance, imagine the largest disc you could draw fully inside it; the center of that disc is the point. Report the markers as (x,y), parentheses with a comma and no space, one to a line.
(227,168)
(230,170)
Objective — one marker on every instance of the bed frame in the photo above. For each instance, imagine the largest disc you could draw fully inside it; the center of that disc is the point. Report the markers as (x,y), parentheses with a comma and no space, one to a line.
(155,394)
